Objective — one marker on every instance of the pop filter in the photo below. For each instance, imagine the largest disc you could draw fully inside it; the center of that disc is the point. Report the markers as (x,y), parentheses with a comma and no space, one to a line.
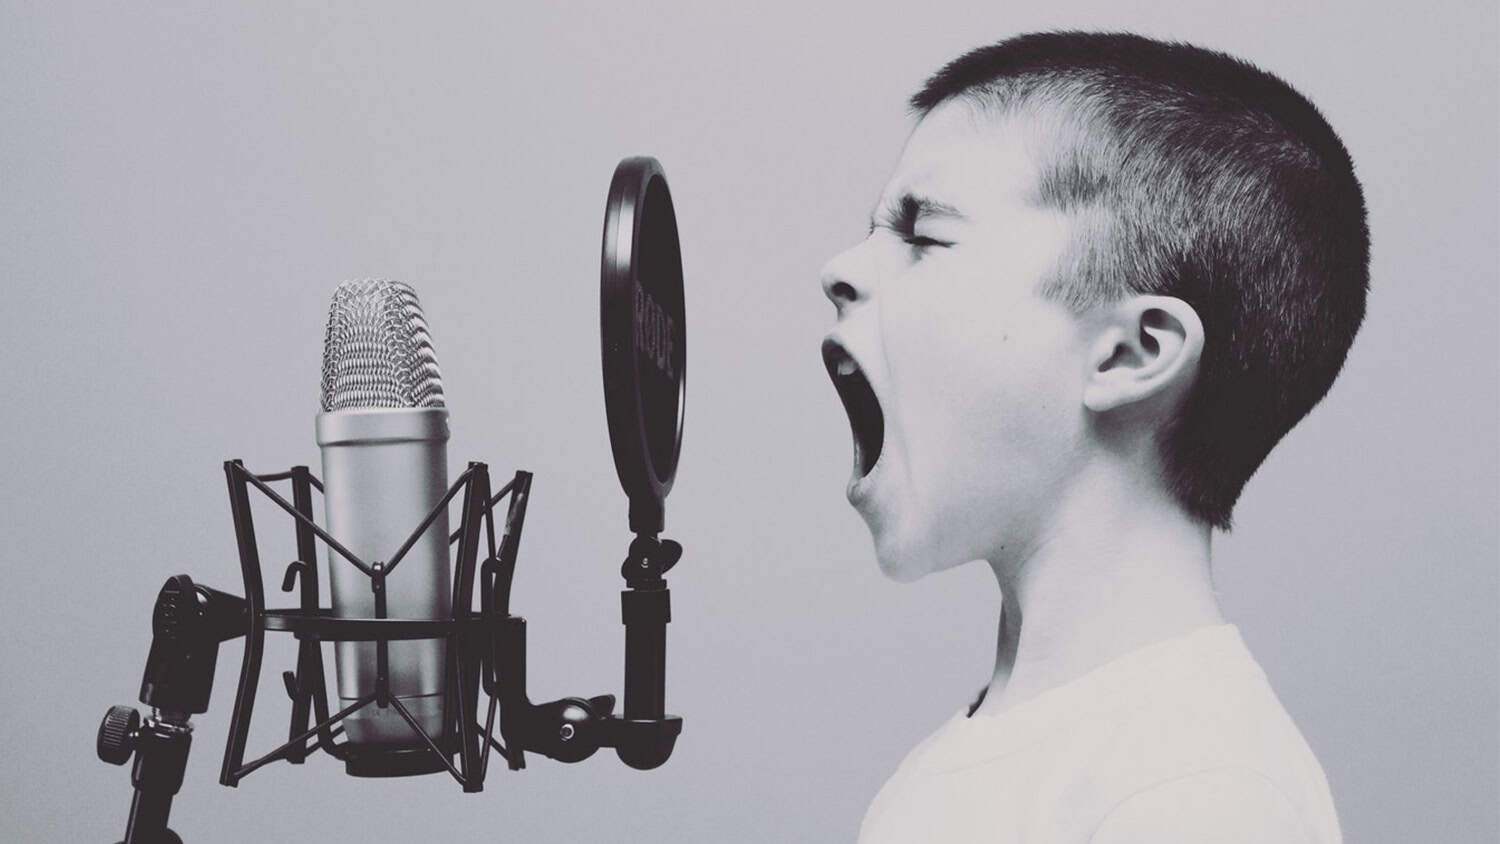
(643,332)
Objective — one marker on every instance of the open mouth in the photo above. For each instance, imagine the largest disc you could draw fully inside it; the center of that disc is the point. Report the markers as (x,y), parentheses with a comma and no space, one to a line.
(865,419)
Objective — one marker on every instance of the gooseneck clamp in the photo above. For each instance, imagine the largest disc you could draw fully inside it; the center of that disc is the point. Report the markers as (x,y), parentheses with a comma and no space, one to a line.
(572,729)
(486,651)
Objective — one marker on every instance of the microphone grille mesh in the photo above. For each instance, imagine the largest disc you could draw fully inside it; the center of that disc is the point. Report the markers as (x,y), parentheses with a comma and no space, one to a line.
(377,351)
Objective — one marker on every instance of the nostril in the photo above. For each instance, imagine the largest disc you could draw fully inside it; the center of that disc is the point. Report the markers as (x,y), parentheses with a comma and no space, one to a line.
(842,291)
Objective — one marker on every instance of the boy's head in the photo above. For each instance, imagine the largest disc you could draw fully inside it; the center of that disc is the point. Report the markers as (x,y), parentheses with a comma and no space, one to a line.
(1095,246)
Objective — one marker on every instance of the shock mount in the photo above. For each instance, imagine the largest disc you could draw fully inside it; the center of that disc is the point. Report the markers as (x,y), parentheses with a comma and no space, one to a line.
(486,650)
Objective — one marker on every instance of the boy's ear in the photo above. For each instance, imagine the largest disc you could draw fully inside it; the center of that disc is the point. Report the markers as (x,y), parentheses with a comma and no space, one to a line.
(1147,346)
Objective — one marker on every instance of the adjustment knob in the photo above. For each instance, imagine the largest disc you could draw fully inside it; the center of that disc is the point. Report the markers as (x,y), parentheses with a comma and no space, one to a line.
(117,734)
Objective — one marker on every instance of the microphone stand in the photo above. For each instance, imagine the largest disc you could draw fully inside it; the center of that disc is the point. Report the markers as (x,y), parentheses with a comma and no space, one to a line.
(188,624)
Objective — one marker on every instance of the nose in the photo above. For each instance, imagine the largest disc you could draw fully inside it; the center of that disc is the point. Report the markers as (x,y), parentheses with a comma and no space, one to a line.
(845,279)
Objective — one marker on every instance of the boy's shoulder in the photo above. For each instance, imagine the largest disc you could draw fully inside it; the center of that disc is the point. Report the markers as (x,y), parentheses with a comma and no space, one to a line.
(1191,723)
(1201,725)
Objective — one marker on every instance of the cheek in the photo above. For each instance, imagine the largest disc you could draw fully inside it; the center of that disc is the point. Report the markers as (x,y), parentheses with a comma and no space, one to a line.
(988,414)
(973,373)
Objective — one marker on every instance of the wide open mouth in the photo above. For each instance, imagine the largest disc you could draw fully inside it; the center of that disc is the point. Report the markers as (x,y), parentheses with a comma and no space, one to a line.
(865,418)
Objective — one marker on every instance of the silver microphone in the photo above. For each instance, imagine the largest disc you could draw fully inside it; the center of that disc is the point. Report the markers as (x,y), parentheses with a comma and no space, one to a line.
(383,433)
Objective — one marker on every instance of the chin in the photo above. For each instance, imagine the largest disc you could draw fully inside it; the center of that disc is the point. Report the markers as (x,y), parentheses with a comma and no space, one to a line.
(906,558)
(899,569)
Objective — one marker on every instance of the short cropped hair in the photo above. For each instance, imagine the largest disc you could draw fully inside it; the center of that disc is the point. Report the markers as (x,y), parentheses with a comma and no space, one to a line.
(1193,174)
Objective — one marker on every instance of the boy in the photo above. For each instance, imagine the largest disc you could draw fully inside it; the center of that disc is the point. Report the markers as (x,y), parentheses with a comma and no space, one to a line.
(1107,276)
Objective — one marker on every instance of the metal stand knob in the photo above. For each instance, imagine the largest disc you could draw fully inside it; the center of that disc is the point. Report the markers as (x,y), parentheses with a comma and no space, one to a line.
(117,734)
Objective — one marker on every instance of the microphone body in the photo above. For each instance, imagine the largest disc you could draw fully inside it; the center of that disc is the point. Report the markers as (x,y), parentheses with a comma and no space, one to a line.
(384,469)
(383,434)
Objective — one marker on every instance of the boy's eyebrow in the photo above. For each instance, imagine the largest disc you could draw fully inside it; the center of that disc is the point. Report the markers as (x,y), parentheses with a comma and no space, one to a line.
(902,214)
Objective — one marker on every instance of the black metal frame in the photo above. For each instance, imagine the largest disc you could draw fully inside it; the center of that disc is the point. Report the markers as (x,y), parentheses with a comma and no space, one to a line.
(474,638)
(485,649)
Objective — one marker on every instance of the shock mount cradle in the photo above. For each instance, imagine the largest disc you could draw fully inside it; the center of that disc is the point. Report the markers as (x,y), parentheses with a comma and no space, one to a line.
(485,649)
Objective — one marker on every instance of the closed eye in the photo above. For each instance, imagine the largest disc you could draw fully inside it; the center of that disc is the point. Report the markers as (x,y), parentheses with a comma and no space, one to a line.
(919,242)
(903,230)
(901,217)
(911,239)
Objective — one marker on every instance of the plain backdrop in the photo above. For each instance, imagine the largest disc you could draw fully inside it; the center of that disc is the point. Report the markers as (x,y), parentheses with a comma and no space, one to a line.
(182,185)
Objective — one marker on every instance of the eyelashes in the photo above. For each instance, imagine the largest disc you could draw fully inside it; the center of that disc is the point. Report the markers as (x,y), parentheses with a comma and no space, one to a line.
(900,218)
(904,230)
(917,242)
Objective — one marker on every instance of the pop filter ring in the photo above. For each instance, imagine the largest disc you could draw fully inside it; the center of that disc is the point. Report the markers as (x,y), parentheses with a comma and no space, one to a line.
(642,327)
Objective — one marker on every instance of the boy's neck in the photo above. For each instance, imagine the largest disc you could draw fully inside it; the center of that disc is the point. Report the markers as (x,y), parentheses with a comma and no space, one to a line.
(1119,567)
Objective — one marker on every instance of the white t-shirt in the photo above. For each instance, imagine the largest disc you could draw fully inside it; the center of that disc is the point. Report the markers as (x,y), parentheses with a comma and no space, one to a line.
(1180,741)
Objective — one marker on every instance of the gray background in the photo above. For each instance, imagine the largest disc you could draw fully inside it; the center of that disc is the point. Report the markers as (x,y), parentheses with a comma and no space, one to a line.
(181,189)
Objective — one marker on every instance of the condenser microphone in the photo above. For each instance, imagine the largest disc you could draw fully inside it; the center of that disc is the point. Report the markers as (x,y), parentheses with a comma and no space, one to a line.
(383,433)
